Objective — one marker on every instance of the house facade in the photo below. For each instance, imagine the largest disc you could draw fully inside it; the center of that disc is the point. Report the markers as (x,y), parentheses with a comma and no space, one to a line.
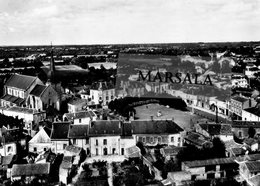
(41,141)
(102,93)
(110,138)
(59,136)
(153,132)
(17,89)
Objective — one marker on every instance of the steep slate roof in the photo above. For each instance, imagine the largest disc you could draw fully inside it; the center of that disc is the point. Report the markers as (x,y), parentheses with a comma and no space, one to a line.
(245,124)
(38,90)
(30,169)
(240,99)
(253,110)
(102,86)
(253,166)
(155,127)
(109,127)
(78,131)
(217,129)
(20,81)
(202,163)
(60,131)
(12,99)
(79,115)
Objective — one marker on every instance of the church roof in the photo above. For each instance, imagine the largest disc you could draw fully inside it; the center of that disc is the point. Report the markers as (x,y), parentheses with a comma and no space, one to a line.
(38,90)
(20,81)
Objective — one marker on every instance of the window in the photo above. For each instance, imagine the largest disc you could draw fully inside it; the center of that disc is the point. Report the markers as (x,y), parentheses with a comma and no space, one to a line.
(179,139)
(80,120)
(112,97)
(87,141)
(122,151)
(172,139)
(44,149)
(144,140)
(105,151)
(113,150)
(96,142)
(10,149)
(64,146)
(35,149)
(9,91)
(151,139)
(240,134)
(74,141)
(96,151)
(159,139)
(104,142)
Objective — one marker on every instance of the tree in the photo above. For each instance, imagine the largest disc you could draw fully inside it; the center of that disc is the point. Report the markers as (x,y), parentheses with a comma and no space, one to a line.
(140,145)
(219,149)
(251,132)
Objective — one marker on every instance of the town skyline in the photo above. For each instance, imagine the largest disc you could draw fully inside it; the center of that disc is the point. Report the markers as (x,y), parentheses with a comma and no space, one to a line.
(125,22)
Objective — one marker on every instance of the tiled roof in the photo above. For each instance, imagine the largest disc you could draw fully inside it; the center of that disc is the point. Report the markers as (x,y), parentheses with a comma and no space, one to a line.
(13,99)
(196,139)
(66,162)
(245,124)
(102,86)
(77,101)
(155,127)
(239,99)
(30,169)
(22,110)
(38,90)
(253,166)
(20,81)
(217,129)
(6,160)
(109,127)
(172,150)
(202,163)
(79,115)
(73,149)
(78,131)
(238,151)
(253,110)
(60,131)
(250,157)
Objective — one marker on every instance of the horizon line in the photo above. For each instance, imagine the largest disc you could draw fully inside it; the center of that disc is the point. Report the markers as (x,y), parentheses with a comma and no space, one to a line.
(145,43)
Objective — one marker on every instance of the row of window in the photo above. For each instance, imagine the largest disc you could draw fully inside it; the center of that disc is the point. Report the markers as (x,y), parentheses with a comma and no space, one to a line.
(15,93)
(105,151)
(104,142)
(158,139)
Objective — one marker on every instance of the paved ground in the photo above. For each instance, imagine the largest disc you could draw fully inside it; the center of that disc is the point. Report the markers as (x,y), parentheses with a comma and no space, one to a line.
(180,117)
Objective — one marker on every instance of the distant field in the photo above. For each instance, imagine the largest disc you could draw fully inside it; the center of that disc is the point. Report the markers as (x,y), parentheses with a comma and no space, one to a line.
(181,118)
(157,60)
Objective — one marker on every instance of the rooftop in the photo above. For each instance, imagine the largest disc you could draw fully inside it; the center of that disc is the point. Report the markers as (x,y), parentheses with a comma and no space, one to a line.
(102,86)
(202,163)
(253,166)
(80,115)
(13,99)
(20,81)
(30,169)
(60,131)
(217,129)
(78,131)
(155,127)
(38,90)
(77,101)
(253,110)
(240,99)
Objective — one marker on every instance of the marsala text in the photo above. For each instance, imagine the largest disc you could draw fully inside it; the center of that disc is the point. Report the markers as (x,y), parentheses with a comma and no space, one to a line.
(175,78)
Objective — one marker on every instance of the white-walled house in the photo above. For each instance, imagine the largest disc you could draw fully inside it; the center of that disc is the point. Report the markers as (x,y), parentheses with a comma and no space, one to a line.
(251,114)
(59,136)
(29,116)
(153,132)
(102,93)
(76,105)
(41,141)
(82,117)
(7,145)
(17,89)
(110,137)
(78,136)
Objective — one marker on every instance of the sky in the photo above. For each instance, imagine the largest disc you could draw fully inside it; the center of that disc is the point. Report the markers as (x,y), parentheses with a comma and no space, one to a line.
(38,22)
